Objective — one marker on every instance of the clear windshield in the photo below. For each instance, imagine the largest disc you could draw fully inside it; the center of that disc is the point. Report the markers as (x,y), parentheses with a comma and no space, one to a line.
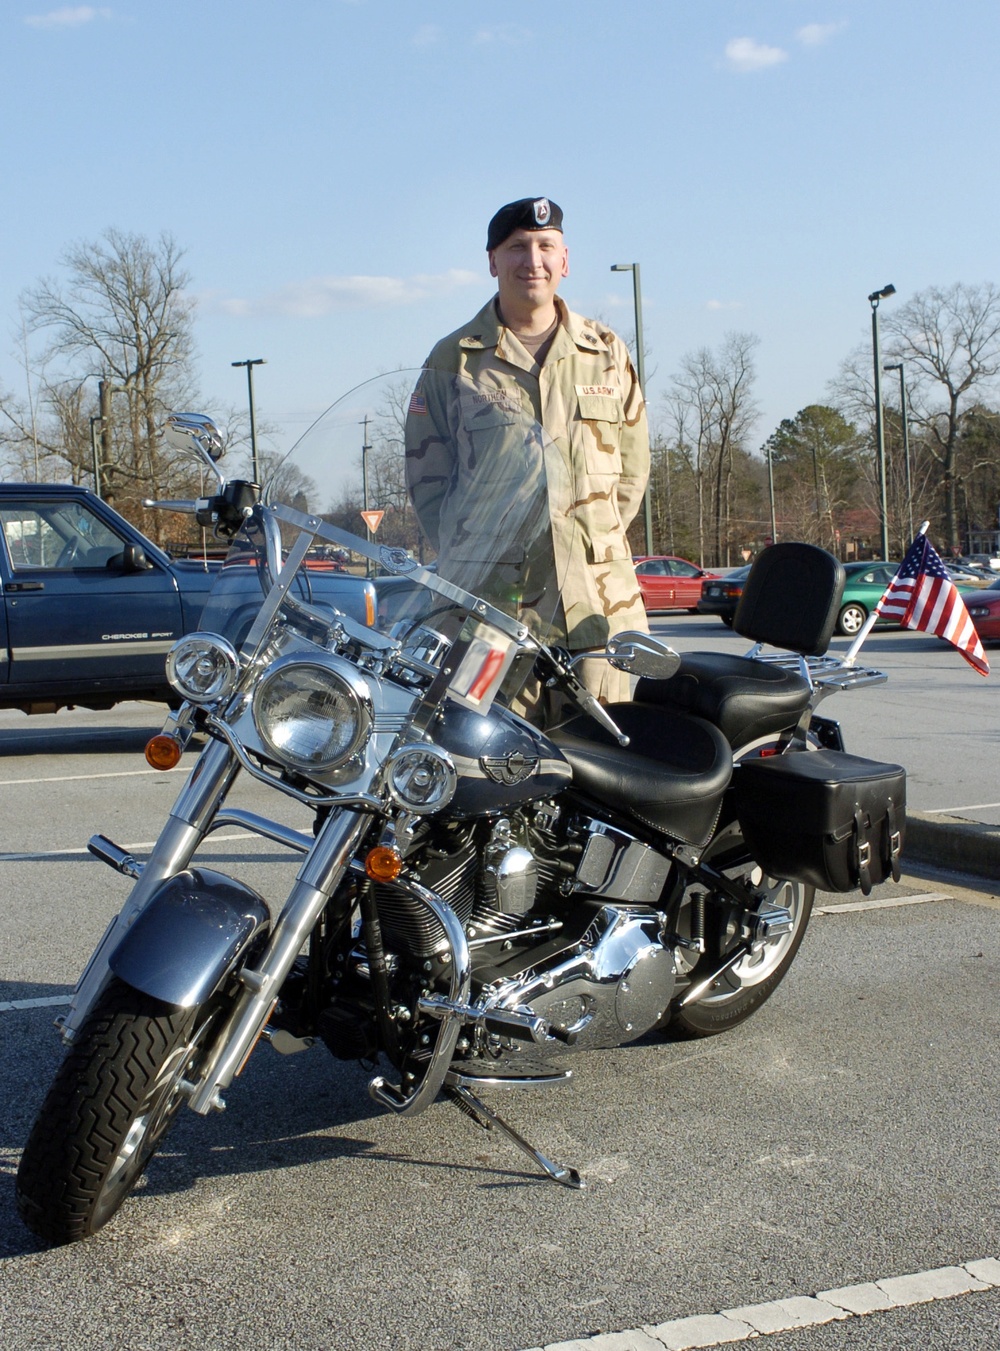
(453,480)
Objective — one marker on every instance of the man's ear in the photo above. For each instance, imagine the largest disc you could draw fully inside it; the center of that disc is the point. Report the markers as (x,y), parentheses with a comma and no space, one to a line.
(493,266)
(565,266)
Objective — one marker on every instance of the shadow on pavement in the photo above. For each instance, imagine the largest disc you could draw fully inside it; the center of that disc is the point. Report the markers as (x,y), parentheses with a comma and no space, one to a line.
(283,1112)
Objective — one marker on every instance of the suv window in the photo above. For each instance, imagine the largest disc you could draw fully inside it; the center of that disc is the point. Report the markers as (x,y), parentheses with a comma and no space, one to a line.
(56,535)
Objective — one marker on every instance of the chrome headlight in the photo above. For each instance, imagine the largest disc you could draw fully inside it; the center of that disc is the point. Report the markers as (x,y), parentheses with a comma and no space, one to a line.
(203,668)
(420,778)
(311,717)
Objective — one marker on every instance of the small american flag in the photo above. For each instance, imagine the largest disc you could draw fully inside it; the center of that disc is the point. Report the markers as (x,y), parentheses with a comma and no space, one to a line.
(418,404)
(922,596)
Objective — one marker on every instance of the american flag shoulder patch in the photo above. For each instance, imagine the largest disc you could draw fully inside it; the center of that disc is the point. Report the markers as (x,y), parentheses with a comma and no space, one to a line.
(418,404)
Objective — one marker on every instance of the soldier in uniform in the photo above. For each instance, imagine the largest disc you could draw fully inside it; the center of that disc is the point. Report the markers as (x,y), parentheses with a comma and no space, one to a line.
(526,358)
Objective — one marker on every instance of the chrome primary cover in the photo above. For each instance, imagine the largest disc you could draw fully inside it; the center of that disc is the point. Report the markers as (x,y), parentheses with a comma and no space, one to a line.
(611,988)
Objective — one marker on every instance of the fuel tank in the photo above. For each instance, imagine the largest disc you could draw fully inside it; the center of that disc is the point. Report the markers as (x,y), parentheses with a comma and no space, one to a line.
(501,760)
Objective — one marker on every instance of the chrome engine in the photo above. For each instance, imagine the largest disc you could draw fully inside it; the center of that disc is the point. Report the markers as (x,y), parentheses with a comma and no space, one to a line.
(612,987)
(563,927)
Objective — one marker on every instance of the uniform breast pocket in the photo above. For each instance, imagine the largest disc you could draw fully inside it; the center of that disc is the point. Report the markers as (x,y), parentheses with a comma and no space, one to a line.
(496,446)
(597,430)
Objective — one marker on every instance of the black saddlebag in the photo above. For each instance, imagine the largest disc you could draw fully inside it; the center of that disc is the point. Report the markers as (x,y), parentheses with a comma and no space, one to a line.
(823,817)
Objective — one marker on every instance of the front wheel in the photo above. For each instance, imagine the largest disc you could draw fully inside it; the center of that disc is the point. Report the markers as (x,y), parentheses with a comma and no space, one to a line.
(741,990)
(851,619)
(111,1103)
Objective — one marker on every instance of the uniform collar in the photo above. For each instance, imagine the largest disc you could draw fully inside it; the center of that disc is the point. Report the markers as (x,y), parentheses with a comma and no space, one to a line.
(574,332)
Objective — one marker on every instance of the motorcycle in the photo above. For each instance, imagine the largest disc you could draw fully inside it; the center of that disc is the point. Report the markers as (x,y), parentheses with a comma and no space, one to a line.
(478,899)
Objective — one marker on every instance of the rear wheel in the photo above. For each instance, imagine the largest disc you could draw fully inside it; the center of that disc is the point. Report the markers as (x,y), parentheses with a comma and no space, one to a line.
(111,1103)
(740,991)
(851,619)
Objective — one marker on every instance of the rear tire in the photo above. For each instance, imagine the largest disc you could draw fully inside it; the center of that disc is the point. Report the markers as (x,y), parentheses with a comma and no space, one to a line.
(111,1103)
(741,991)
(851,619)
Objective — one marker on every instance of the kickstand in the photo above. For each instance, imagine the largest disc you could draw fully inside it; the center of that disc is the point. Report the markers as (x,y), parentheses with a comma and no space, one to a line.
(482,1116)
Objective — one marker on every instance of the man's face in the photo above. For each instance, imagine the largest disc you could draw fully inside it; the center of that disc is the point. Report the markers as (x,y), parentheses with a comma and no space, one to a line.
(529,265)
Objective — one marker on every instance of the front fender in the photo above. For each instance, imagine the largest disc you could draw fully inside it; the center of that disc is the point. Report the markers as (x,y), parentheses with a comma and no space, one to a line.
(191,932)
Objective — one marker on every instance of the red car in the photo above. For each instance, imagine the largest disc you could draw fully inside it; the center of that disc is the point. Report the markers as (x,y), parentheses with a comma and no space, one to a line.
(669,583)
(983,606)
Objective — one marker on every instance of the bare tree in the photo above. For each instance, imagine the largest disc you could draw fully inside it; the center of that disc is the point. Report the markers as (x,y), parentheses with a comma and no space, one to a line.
(712,411)
(121,318)
(386,471)
(950,342)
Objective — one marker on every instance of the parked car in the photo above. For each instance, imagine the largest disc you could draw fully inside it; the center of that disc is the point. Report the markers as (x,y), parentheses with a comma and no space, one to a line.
(720,595)
(983,604)
(669,583)
(989,562)
(969,574)
(89,606)
(863,589)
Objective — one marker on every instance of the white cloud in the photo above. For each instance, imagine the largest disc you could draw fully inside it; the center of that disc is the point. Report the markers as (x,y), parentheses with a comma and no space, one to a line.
(70,16)
(427,35)
(318,296)
(748,54)
(724,305)
(815,34)
(509,34)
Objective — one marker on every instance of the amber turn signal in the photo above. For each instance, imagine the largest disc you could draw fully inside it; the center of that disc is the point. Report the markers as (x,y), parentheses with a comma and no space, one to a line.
(383,864)
(162,751)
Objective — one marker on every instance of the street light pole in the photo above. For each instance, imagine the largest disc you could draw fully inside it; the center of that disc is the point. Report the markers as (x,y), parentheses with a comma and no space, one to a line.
(93,450)
(905,419)
(647,507)
(105,389)
(250,363)
(770,494)
(874,299)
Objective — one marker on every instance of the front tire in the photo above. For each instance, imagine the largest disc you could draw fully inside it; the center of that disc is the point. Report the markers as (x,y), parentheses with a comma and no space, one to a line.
(851,619)
(742,990)
(111,1103)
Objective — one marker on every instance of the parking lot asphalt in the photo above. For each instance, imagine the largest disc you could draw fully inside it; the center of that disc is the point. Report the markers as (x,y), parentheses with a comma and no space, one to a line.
(845,1135)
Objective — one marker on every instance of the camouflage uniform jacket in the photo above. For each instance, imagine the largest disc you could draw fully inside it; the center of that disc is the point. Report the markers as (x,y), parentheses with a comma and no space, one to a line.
(587,399)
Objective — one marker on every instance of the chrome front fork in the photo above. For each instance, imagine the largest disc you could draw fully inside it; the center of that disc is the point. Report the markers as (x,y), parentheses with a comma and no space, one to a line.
(318,878)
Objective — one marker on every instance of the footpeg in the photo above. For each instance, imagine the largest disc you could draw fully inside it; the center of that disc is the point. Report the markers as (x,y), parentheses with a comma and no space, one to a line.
(110,853)
(768,923)
(468,1103)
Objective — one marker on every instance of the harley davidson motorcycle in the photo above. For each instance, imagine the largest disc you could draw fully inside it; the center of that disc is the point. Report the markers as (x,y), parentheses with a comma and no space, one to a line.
(477,900)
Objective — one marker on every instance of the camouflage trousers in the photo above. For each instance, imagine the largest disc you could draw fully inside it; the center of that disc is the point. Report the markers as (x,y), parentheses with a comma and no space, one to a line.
(548,707)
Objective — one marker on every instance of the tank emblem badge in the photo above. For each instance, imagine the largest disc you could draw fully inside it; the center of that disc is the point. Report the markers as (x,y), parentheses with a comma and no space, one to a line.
(514,767)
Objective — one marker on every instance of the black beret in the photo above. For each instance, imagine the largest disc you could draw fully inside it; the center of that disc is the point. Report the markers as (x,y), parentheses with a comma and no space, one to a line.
(530,213)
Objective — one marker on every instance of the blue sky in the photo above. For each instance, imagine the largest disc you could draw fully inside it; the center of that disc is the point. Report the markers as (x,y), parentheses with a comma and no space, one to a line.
(329,166)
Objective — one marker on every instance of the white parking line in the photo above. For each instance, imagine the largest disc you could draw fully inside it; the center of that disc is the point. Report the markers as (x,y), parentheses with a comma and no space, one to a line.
(883,903)
(957,811)
(129,848)
(70,778)
(781,1315)
(45,1002)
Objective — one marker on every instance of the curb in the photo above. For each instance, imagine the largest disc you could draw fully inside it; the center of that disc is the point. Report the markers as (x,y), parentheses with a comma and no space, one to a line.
(953,845)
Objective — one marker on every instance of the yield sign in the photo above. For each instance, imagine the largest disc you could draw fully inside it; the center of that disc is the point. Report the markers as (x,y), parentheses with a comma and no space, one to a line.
(372,519)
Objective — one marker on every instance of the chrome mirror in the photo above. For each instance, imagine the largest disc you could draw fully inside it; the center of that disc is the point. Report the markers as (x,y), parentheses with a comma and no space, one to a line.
(195,432)
(642,654)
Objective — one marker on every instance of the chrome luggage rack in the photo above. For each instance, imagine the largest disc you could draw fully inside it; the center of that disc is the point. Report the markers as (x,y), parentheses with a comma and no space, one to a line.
(826,673)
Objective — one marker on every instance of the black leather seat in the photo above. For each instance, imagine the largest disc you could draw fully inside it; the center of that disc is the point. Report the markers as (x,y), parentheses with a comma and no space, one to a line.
(791,600)
(745,699)
(671,776)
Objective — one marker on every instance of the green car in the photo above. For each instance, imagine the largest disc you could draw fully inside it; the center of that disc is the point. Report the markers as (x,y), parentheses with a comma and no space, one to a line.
(863,589)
